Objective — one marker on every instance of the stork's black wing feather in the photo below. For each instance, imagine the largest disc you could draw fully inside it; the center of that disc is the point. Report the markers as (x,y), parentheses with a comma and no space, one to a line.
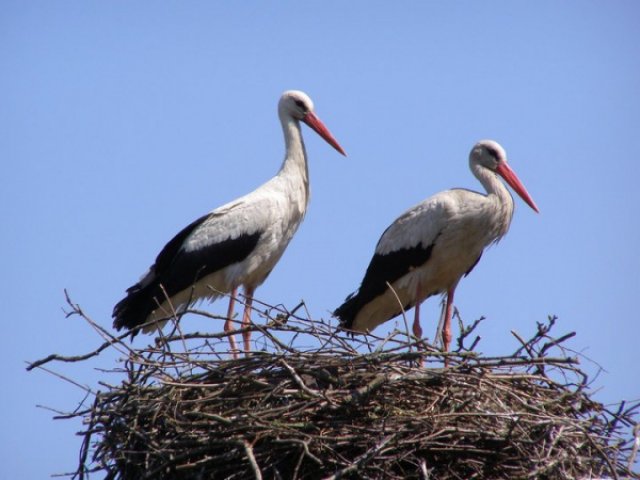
(176,269)
(382,269)
(170,251)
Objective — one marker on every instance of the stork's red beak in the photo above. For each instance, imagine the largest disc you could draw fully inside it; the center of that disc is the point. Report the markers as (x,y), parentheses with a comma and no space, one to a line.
(314,122)
(514,182)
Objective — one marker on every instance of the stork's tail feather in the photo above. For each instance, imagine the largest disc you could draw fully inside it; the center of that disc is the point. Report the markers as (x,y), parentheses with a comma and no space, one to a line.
(348,311)
(134,309)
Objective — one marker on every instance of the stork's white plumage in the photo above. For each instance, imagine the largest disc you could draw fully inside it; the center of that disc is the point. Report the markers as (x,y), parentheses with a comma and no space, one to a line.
(428,249)
(237,244)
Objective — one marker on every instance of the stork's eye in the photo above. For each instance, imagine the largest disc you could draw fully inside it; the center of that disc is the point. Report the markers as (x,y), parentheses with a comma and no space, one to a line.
(493,152)
(301,104)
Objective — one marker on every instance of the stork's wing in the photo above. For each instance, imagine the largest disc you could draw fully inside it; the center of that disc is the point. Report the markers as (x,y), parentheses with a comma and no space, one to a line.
(420,225)
(210,243)
(171,249)
(406,244)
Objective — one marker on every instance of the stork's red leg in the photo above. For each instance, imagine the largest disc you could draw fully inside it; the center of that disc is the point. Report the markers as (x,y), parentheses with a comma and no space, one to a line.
(228,325)
(417,329)
(446,330)
(246,318)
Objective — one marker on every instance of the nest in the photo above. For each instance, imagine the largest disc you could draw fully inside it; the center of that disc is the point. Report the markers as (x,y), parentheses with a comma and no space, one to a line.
(314,403)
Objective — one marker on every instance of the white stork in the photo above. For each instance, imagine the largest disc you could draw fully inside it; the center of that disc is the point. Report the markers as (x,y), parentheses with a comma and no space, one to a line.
(237,244)
(428,249)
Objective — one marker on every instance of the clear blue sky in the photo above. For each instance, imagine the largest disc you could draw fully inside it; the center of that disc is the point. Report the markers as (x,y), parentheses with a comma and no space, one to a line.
(120,123)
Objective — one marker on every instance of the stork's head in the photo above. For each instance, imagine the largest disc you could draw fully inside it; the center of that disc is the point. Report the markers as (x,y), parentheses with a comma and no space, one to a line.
(490,155)
(297,105)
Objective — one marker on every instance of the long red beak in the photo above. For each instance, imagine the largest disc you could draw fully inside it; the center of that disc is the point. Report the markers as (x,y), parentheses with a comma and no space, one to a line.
(316,124)
(514,182)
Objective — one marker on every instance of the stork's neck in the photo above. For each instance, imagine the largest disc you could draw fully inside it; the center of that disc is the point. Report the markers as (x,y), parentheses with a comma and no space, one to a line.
(295,166)
(499,205)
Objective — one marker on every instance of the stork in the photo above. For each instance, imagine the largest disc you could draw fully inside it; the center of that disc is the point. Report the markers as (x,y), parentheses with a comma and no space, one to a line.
(430,247)
(237,244)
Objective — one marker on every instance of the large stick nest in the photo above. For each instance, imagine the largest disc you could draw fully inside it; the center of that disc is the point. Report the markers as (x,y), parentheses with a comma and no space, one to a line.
(314,403)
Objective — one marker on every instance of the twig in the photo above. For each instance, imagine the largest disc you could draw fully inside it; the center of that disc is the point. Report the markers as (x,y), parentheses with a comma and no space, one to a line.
(252,460)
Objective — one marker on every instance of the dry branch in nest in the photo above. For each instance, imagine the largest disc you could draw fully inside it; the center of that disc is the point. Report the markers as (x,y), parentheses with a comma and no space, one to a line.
(314,403)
